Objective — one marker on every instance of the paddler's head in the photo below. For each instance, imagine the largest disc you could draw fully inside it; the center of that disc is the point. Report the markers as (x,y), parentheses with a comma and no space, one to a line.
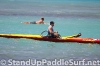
(52,23)
(42,19)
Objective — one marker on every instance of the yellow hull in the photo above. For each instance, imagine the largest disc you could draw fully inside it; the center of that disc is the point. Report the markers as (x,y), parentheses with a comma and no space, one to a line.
(45,38)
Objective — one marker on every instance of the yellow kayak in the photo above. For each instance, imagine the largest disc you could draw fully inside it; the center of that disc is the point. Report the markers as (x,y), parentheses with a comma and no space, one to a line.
(73,38)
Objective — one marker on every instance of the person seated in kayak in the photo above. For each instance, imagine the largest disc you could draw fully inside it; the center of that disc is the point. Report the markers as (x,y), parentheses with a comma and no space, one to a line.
(51,33)
(41,21)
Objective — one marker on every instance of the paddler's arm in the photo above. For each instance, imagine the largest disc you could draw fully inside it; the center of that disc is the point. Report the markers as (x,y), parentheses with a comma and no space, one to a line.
(50,30)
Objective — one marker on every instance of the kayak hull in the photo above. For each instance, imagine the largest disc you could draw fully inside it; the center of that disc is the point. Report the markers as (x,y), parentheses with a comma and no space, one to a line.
(44,38)
(78,40)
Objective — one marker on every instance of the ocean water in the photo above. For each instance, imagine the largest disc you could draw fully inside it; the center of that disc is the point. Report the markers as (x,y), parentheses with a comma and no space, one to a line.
(70,17)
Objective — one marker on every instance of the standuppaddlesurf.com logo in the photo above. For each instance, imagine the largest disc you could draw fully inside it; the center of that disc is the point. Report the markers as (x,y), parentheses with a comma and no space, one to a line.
(55,62)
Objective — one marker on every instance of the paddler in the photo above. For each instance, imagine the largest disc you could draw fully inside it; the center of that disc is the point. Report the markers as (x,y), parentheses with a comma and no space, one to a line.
(41,21)
(51,33)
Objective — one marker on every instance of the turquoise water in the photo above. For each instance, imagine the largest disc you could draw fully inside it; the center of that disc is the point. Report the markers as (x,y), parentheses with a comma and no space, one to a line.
(70,17)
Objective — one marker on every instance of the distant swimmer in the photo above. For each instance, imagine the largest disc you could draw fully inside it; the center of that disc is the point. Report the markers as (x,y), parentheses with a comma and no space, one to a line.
(41,21)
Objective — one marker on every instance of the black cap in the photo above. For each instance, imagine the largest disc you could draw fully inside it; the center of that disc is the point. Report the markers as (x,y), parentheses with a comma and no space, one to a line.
(51,22)
(42,18)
